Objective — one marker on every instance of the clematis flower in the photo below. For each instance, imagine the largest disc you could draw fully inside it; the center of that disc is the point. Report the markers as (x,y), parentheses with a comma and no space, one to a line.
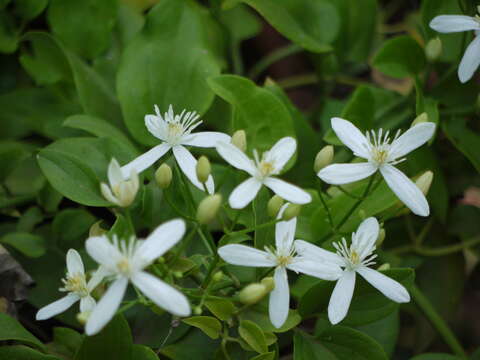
(282,257)
(261,172)
(125,261)
(121,192)
(381,153)
(175,132)
(354,259)
(77,287)
(459,23)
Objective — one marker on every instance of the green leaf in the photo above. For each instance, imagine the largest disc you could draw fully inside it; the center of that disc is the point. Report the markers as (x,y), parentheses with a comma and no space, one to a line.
(195,345)
(168,62)
(70,227)
(253,335)
(400,57)
(8,33)
(67,338)
(11,329)
(95,18)
(29,244)
(256,110)
(141,352)
(435,356)
(29,9)
(384,331)
(209,325)
(310,24)
(113,342)
(20,352)
(241,22)
(464,139)
(259,315)
(266,356)
(222,309)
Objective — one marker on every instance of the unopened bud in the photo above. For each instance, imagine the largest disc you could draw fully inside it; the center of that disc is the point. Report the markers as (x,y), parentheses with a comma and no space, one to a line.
(208,208)
(268,283)
(274,205)
(383,267)
(323,158)
(292,210)
(83,317)
(163,176)
(239,139)
(217,276)
(424,181)
(381,237)
(96,230)
(178,274)
(203,169)
(252,293)
(361,214)
(423,117)
(433,49)
(120,191)
(197,310)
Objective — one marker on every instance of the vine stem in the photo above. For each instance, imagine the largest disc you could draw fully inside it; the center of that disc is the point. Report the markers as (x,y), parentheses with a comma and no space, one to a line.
(437,321)
(272,58)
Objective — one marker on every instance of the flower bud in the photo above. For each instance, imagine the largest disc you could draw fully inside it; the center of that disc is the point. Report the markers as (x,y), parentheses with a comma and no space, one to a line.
(203,169)
(177,274)
(361,214)
(323,158)
(292,210)
(424,181)
(252,293)
(423,117)
(163,176)
(218,276)
(208,208)
(96,229)
(239,139)
(433,49)
(381,237)
(385,266)
(274,205)
(120,191)
(268,283)
(83,317)
(197,310)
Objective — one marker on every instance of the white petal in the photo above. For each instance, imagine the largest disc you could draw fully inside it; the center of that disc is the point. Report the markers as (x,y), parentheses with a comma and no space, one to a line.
(87,304)
(74,263)
(102,251)
(57,307)
(366,236)
(188,164)
(351,136)
(156,126)
(289,192)
(470,61)
(316,253)
(412,138)
(96,278)
(244,193)
(106,307)
(285,233)
(279,302)
(206,139)
(341,297)
(107,194)
(242,255)
(406,190)
(160,240)
(388,287)
(318,269)
(282,151)
(236,157)
(338,174)
(162,294)
(454,23)
(144,161)
(114,172)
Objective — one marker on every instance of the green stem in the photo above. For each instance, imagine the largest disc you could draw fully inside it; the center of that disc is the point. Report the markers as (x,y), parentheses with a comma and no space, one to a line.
(181,175)
(209,244)
(437,321)
(254,211)
(176,209)
(261,226)
(297,81)
(327,209)
(348,193)
(446,250)
(272,58)
(185,243)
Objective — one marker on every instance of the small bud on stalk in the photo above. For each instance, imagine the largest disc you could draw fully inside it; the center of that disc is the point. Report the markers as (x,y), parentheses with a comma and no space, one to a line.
(208,208)
(274,205)
(425,181)
(203,169)
(239,139)
(423,117)
(433,49)
(252,293)
(323,158)
(381,237)
(163,176)
(293,210)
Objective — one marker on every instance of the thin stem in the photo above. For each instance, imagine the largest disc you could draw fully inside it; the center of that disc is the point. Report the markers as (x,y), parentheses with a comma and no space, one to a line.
(327,209)
(272,58)
(209,244)
(297,81)
(446,250)
(254,211)
(185,243)
(348,193)
(176,209)
(261,226)
(437,321)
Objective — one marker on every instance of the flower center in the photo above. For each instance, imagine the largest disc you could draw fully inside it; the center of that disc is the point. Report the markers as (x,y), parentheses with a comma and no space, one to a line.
(354,258)
(379,155)
(175,130)
(379,145)
(75,284)
(179,125)
(266,167)
(124,267)
(284,260)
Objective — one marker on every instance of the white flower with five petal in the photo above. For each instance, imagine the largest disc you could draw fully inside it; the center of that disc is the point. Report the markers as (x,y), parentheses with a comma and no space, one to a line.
(77,287)
(282,257)
(261,171)
(175,132)
(120,191)
(125,261)
(459,23)
(354,259)
(381,153)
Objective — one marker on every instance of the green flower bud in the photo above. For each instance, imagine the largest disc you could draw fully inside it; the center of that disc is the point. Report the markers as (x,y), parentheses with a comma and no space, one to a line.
(239,139)
(361,214)
(381,237)
(197,310)
(208,208)
(178,274)
(292,210)
(218,276)
(323,158)
(83,317)
(268,283)
(163,176)
(433,49)
(423,117)
(424,181)
(274,205)
(385,266)
(203,169)
(96,229)
(252,293)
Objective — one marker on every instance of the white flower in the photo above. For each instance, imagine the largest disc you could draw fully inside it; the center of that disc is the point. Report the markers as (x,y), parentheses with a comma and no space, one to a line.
(175,131)
(122,191)
(354,259)
(459,23)
(382,153)
(282,257)
(261,171)
(126,260)
(77,287)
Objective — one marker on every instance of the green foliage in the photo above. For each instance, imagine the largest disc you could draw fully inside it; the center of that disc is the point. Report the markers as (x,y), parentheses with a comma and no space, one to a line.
(11,329)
